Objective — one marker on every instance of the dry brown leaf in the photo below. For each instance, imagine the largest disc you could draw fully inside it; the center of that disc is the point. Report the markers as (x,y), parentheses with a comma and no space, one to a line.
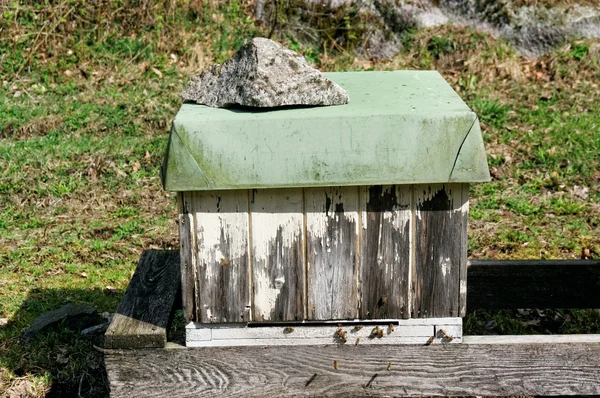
(136,166)
(157,72)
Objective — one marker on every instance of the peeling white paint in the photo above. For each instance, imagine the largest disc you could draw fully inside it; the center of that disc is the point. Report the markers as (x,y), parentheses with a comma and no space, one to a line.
(445,265)
(277,211)
(463,287)
(266,296)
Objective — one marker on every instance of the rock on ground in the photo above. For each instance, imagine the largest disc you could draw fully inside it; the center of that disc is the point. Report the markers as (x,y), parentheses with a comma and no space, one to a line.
(263,73)
(72,316)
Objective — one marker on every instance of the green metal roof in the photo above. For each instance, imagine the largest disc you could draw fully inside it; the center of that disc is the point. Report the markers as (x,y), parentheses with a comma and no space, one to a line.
(400,127)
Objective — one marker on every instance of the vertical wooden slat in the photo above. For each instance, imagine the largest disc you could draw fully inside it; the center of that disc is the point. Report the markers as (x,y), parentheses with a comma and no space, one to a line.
(223,292)
(277,254)
(385,251)
(462,299)
(187,241)
(438,250)
(331,249)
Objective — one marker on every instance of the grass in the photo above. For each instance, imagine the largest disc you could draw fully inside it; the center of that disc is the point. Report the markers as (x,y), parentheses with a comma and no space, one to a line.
(86,99)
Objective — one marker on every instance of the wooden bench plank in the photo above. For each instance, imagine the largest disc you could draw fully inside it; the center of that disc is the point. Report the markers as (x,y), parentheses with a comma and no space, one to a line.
(143,314)
(435,370)
(501,284)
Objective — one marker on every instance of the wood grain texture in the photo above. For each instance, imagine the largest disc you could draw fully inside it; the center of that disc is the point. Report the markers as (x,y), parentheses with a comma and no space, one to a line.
(223,290)
(436,370)
(187,244)
(277,234)
(497,284)
(462,289)
(385,251)
(439,226)
(332,241)
(142,317)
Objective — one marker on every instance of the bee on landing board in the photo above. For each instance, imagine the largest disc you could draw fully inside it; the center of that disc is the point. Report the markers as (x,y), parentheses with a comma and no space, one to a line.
(389,366)
(376,332)
(335,365)
(288,330)
(429,341)
(341,334)
(445,335)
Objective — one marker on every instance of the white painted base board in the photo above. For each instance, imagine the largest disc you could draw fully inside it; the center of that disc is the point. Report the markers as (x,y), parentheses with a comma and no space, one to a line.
(405,331)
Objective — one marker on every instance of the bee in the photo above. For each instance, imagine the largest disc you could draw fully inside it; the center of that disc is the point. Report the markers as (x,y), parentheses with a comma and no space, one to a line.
(389,367)
(391,328)
(224,262)
(377,332)
(430,340)
(445,335)
(341,334)
(263,317)
(382,301)
(357,341)
(358,327)
(288,330)
(335,365)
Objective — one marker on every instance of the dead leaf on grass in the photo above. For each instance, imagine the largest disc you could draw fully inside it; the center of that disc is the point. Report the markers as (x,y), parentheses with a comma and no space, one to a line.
(581,192)
(157,72)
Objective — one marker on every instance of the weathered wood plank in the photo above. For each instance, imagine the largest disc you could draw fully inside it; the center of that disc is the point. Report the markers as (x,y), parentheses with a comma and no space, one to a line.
(464,244)
(277,233)
(385,251)
(223,291)
(187,242)
(332,240)
(435,370)
(438,252)
(387,331)
(533,339)
(496,284)
(142,317)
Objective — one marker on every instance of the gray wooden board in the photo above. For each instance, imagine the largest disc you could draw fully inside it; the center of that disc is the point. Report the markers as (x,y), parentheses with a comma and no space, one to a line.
(435,370)
(223,291)
(332,240)
(142,317)
(440,211)
(385,251)
(187,241)
(464,244)
(496,284)
(277,236)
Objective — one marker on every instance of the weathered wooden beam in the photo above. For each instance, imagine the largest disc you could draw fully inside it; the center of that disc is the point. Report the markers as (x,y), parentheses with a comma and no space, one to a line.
(497,284)
(489,368)
(143,314)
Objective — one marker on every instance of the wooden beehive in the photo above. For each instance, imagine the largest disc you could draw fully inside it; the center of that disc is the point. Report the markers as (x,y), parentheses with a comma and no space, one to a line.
(349,212)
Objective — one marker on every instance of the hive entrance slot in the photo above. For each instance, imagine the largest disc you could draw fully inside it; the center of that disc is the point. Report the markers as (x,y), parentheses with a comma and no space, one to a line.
(341,323)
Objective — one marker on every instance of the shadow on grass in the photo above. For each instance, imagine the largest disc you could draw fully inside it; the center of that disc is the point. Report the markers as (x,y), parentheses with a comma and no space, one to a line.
(59,361)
